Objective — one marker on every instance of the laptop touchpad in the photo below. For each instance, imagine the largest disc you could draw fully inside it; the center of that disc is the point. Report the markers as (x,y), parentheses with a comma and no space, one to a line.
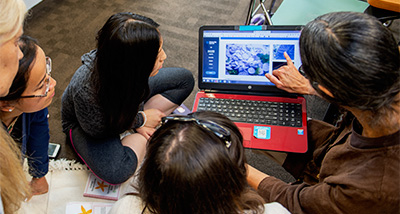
(246,132)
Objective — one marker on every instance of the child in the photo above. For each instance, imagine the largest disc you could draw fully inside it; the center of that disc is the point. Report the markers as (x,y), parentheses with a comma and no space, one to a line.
(195,164)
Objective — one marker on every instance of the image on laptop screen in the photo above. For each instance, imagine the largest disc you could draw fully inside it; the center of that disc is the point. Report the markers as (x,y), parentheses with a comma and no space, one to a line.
(244,55)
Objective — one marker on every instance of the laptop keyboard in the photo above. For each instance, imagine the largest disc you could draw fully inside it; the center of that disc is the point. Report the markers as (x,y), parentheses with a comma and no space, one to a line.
(256,112)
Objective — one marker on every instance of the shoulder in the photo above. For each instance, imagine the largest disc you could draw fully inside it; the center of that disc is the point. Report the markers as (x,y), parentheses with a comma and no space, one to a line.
(271,208)
(83,74)
(41,115)
(80,85)
(131,204)
(275,208)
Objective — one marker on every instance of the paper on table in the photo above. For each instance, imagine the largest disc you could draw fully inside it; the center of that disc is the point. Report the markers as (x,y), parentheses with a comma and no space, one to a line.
(88,207)
(99,189)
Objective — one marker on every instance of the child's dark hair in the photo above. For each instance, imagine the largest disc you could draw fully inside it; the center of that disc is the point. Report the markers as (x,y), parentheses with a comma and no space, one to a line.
(188,169)
(127,48)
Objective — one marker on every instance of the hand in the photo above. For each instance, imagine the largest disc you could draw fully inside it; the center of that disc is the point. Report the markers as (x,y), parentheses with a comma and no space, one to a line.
(146,131)
(39,186)
(254,176)
(153,117)
(288,78)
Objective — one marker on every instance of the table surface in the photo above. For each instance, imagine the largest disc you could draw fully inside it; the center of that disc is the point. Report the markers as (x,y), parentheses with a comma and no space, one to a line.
(300,12)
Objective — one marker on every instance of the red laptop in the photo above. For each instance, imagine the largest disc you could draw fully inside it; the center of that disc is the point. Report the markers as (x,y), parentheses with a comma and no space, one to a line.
(233,61)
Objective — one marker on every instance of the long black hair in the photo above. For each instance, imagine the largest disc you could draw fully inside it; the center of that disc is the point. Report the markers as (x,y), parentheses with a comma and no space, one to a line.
(355,58)
(127,48)
(28,46)
(190,170)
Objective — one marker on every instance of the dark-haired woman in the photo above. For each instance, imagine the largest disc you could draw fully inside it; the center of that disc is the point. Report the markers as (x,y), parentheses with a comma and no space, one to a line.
(195,164)
(352,61)
(24,110)
(118,96)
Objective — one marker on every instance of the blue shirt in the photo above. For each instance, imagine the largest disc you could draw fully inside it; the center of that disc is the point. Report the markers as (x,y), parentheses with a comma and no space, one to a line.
(35,141)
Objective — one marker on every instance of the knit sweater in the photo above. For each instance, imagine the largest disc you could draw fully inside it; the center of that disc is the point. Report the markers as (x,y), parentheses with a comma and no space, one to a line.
(80,104)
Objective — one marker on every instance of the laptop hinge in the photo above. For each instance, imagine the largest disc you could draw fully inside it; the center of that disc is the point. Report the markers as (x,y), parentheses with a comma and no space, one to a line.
(288,95)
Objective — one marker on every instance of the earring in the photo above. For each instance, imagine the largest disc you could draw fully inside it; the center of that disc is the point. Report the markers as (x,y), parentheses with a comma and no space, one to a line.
(10,110)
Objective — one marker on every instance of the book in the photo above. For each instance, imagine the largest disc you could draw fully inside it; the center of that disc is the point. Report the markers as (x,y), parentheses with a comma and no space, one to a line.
(88,207)
(98,188)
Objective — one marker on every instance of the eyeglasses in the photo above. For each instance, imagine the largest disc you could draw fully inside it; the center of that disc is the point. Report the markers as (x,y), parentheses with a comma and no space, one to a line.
(218,130)
(46,81)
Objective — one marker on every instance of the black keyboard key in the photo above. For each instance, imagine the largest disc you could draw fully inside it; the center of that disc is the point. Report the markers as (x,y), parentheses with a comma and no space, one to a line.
(259,112)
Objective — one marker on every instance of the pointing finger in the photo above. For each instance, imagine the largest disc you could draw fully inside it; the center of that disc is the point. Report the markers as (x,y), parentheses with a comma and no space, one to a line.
(289,61)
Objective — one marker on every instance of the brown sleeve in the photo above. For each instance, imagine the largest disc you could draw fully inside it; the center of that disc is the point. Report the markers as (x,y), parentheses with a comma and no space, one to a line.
(275,190)
(319,198)
(318,133)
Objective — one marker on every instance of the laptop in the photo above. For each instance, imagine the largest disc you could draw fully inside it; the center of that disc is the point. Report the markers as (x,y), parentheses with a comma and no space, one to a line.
(233,61)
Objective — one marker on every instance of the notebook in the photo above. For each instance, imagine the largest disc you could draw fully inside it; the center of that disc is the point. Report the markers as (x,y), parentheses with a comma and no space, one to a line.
(232,63)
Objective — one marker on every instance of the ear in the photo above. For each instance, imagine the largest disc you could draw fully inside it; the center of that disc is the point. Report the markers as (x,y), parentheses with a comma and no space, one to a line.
(326,91)
(6,106)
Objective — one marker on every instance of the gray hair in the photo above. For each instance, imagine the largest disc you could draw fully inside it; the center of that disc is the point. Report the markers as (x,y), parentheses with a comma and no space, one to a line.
(12,15)
(353,56)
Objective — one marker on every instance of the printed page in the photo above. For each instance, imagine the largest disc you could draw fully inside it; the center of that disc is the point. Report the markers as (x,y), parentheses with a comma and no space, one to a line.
(99,189)
(88,208)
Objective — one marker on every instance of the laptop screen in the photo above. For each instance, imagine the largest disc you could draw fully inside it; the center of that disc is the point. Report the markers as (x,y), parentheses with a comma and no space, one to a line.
(240,56)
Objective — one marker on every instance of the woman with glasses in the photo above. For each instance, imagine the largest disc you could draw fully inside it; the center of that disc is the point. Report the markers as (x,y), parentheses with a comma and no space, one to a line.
(194,164)
(352,61)
(24,110)
(118,96)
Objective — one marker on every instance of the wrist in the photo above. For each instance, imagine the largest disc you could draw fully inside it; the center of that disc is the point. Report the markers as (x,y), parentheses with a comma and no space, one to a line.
(38,178)
(312,91)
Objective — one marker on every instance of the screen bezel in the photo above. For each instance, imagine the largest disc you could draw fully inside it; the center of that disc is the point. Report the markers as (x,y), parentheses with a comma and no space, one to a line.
(253,88)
